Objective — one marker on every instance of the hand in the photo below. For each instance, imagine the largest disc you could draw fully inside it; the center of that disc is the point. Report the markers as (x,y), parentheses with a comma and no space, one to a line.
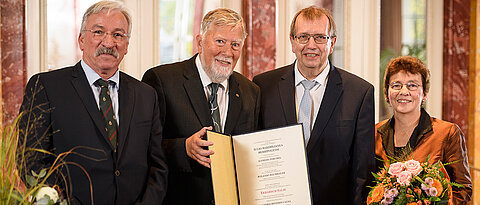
(194,144)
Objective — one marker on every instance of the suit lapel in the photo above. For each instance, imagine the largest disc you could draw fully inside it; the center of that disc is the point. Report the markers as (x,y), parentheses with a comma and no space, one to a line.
(333,92)
(286,90)
(84,91)
(194,88)
(234,105)
(126,98)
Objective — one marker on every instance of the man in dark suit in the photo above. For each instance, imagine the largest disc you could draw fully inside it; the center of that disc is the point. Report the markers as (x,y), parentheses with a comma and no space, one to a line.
(188,106)
(109,120)
(335,107)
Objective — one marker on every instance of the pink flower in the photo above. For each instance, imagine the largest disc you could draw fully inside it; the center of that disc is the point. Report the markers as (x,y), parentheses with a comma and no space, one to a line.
(413,167)
(429,181)
(393,192)
(404,178)
(396,168)
(432,192)
(424,187)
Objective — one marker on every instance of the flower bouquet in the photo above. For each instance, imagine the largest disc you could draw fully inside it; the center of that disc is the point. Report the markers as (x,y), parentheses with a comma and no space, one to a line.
(411,182)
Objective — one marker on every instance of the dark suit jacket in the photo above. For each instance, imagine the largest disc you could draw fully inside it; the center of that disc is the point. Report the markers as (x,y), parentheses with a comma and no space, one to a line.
(341,148)
(66,111)
(184,111)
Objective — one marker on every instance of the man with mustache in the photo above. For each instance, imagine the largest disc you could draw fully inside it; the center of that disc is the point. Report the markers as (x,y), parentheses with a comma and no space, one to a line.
(189,107)
(335,107)
(109,120)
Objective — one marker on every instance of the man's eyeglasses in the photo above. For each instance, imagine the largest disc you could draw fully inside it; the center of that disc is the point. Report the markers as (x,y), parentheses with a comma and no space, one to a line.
(117,36)
(318,38)
(410,86)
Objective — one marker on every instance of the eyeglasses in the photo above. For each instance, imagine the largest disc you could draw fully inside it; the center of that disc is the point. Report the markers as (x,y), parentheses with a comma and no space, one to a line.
(117,36)
(318,38)
(410,86)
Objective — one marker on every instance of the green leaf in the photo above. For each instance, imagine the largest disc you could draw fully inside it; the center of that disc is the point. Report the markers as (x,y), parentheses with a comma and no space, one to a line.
(31,180)
(43,172)
(426,160)
(449,163)
(457,185)
(34,174)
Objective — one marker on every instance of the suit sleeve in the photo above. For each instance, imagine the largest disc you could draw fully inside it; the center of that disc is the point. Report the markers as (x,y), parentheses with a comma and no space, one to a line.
(174,147)
(35,127)
(364,148)
(257,109)
(158,171)
(456,152)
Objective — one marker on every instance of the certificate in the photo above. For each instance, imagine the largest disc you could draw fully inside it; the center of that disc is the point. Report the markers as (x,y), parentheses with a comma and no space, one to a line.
(264,167)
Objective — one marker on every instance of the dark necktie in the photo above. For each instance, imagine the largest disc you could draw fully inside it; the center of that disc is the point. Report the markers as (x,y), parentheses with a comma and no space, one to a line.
(107,110)
(214,111)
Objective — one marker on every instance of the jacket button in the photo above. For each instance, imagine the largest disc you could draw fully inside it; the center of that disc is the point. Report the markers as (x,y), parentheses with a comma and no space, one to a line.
(117,173)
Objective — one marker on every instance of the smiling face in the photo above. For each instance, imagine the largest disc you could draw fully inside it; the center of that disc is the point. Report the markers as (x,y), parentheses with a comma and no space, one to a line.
(311,55)
(219,50)
(104,55)
(405,101)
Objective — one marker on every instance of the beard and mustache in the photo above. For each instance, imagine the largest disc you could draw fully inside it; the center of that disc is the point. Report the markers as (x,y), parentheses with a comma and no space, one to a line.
(215,72)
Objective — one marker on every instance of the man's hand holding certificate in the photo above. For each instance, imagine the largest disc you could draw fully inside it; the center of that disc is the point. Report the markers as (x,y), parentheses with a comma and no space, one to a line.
(265,167)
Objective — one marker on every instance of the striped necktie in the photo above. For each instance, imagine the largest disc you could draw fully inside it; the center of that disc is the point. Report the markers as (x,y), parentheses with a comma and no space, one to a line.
(108,113)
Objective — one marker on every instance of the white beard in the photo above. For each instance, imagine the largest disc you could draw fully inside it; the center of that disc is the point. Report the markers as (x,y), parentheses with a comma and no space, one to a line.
(218,73)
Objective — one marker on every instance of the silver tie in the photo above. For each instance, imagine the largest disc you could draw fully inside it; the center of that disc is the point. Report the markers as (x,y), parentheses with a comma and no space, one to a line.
(305,111)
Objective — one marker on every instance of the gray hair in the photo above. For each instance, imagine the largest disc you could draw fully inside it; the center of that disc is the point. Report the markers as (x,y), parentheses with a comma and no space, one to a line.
(223,17)
(109,6)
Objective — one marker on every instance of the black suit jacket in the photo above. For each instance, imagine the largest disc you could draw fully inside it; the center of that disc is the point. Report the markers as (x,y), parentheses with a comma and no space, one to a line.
(341,148)
(66,111)
(184,111)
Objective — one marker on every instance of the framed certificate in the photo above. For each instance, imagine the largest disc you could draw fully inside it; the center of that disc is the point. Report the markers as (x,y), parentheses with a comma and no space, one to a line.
(264,167)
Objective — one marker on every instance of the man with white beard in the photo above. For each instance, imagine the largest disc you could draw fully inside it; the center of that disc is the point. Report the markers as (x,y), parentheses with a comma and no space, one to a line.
(188,106)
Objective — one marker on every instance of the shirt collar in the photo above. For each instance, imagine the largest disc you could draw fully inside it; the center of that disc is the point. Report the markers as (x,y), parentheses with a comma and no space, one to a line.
(93,76)
(321,78)
(387,132)
(203,75)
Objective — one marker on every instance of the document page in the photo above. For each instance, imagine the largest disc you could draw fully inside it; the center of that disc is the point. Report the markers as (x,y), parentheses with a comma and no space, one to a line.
(271,167)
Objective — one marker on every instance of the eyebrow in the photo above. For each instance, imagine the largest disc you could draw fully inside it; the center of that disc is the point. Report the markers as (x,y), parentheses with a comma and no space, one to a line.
(410,81)
(103,27)
(313,34)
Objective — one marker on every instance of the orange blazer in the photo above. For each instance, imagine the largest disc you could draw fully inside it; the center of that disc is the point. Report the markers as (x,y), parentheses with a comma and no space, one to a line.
(441,140)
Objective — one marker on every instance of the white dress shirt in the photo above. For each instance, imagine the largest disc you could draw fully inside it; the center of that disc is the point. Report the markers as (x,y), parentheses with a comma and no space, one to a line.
(222,93)
(316,92)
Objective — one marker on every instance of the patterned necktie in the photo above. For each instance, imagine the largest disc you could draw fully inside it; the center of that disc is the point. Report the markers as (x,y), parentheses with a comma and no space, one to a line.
(305,111)
(214,111)
(107,110)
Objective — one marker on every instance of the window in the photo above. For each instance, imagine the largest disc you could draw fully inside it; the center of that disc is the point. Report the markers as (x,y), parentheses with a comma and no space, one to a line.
(403,25)
(64,19)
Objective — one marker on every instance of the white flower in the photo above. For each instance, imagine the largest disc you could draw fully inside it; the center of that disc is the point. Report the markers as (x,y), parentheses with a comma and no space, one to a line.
(45,192)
